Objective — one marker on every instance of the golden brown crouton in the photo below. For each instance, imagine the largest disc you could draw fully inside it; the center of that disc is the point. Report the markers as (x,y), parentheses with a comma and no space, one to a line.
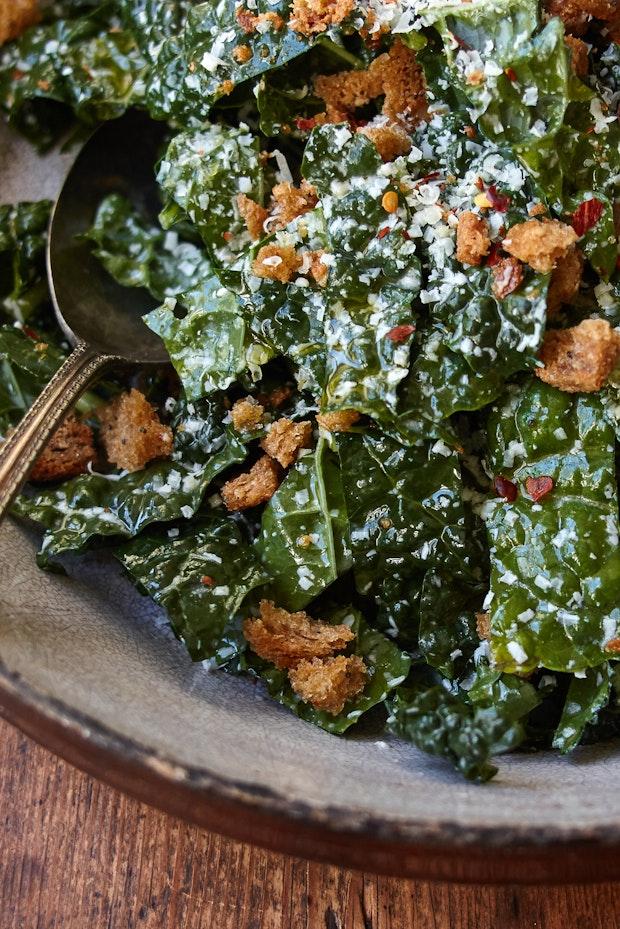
(67,453)
(565,280)
(540,243)
(289,202)
(404,86)
(253,214)
(390,139)
(242,53)
(483,625)
(277,262)
(507,277)
(16,16)
(286,638)
(340,421)
(285,439)
(256,486)
(345,91)
(311,16)
(329,683)
(247,415)
(579,359)
(578,55)
(577,13)
(472,238)
(131,432)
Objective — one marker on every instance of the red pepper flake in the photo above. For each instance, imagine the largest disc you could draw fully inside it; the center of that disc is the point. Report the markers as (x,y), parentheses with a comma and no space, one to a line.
(479,183)
(407,237)
(227,236)
(207,580)
(613,646)
(538,487)
(505,488)
(587,215)
(305,124)
(400,333)
(507,277)
(383,232)
(499,202)
(17,74)
(30,333)
(511,74)
(494,256)
(470,132)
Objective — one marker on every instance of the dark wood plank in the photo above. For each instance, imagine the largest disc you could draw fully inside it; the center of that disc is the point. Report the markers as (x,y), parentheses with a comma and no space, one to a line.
(75,854)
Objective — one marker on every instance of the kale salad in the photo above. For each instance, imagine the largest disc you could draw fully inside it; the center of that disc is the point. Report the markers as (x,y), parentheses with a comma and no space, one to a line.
(379,475)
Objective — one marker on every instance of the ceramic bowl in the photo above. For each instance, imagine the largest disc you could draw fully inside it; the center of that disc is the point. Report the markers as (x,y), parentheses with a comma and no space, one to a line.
(90,669)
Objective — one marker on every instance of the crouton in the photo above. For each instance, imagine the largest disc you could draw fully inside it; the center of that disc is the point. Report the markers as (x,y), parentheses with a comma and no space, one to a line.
(131,432)
(285,439)
(256,486)
(251,23)
(565,280)
(16,16)
(404,86)
(329,683)
(540,243)
(289,202)
(253,214)
(247,415)
(577,13)
(317,268)
(346,91)
(242,53)
(483,625)
(579,60)
(286,638)
(507,277)
(339,421)
(67,454)
(277,262)
(472,239)
(390,139)
(312,16)
(580,359)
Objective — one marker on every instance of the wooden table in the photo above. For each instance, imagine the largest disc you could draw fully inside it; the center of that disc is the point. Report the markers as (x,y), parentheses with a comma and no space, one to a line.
(75,854)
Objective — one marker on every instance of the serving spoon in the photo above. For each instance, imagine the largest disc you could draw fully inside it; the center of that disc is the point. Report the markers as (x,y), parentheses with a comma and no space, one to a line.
(100,318)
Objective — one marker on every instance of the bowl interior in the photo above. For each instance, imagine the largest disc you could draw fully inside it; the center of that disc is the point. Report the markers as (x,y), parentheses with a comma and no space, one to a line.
(92,642)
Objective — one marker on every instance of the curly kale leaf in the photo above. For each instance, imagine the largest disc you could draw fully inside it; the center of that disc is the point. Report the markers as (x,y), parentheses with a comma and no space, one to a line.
(555,579)
(23,234)
(388,667)
(97,505)
(201,174)
(304,533)
(586,696)
(201,577)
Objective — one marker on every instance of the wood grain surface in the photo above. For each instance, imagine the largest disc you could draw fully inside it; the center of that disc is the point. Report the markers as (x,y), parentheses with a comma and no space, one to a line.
(75,854)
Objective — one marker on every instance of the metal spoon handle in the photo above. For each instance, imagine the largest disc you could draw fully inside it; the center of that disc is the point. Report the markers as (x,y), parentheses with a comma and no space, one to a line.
(24,445)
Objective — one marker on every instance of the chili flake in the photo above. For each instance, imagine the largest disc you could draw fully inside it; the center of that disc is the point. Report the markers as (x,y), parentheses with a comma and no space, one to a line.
(587,215)
(538,487)
(505,488)
(400,333)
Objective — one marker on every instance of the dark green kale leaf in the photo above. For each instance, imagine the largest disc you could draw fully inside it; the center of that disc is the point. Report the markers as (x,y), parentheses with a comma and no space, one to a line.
(123,504)
(201,174)
(207,336)
(555,580)
(304,533)
(388,667)
(201,577)
(448,636)
(26,365)
(139,254)
(586,696)
(23,234)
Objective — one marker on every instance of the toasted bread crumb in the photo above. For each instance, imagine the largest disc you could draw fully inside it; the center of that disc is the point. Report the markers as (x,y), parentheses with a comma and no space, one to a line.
(507,277)
(253,214)
(565,280)
(16,16)
(251,22)
(339,421)
(242,53)
(67,454)
(286,638)
(277,262)
(390,139)
(329,683)
(579,359)
(577,13)
(483,625)
(313,16)
(256,486)
(317,268)
(131,432)
(578,55)
(289,202)
(472,238)
(247,414)
(285,439)
(540,243)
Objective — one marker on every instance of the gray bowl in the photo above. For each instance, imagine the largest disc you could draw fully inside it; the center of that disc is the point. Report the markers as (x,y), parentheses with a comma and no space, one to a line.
(90,669)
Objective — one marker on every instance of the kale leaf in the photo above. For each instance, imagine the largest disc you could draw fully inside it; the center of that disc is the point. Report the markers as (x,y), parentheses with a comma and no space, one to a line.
(586,696)
(23,234)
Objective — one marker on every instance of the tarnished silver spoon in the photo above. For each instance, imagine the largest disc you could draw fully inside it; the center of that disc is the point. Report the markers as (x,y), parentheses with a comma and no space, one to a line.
(101,319)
